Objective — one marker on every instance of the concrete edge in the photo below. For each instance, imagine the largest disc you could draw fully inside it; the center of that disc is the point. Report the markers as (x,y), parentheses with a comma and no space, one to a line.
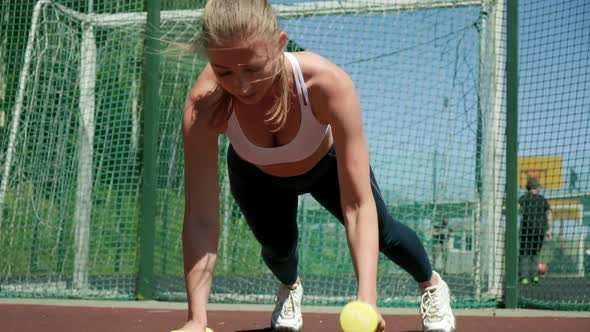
(157,305)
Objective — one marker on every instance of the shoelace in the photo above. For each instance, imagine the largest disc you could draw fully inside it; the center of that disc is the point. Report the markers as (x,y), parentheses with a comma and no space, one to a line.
(287,298)
(430,305)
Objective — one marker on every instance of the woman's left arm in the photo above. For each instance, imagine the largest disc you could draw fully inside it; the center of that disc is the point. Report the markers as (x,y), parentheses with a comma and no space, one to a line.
(334,96)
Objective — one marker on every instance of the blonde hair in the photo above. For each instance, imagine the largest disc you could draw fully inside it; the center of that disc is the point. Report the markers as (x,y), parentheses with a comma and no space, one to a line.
(226,21)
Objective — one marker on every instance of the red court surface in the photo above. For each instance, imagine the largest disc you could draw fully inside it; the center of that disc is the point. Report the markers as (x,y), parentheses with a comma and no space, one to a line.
(86,316)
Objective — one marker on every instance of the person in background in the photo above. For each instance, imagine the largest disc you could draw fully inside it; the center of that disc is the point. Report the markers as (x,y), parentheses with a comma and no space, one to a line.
(535,227)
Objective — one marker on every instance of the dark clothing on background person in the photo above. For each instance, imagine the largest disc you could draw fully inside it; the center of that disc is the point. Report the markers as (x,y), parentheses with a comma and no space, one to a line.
(534,213)
(533,228)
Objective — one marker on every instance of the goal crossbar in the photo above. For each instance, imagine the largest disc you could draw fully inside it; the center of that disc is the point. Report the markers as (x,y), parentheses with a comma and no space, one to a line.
(299,10)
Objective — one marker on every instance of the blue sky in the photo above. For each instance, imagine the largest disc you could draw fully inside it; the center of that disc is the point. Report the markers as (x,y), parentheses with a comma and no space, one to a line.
(555,83)
(417,77)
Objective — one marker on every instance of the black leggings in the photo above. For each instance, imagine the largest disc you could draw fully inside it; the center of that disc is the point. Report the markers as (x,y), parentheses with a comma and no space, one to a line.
(269,204)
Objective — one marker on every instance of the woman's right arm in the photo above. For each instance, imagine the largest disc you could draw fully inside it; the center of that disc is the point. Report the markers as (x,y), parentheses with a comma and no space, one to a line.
(201,214)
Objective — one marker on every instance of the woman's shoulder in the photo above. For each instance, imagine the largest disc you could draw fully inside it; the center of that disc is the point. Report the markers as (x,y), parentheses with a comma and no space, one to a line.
(204,85)
(327,84)
(202,101)
(313,63)
(321,73)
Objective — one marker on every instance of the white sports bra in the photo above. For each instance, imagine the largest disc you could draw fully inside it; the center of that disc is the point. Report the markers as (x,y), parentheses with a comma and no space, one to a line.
(309,137)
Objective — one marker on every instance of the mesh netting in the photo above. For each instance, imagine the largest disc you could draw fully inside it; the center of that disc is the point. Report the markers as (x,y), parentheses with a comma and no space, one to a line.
(430,76)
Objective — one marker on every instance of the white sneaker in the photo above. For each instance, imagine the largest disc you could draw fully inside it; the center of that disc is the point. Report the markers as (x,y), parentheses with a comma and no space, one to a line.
(435,308)
(286,317)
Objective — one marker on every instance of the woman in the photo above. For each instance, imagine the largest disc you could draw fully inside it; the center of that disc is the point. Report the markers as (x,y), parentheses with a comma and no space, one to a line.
(295,126)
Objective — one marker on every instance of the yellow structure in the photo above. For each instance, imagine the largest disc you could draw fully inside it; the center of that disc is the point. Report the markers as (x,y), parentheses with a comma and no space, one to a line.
(547,169)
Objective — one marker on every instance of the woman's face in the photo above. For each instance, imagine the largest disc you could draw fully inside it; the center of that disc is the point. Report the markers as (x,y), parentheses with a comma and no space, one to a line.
(245,70)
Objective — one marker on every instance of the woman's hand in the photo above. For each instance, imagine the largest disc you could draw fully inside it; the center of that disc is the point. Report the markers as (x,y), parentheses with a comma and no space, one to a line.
(381,325)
